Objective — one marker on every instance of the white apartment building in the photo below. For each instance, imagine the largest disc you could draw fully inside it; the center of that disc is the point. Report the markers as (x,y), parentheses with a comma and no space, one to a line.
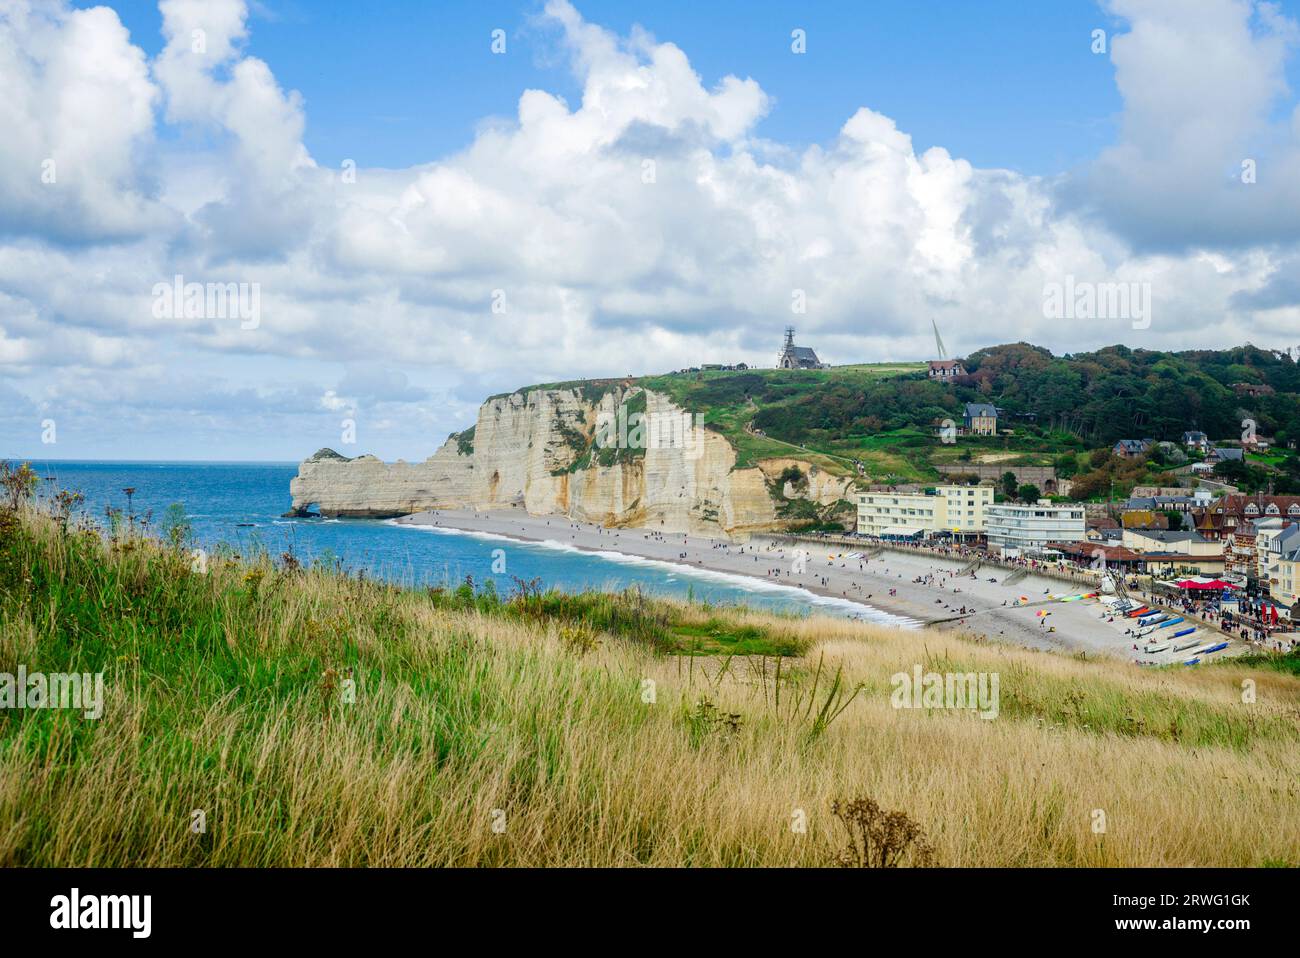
(953,509)
(1275,538)
(1017,528)
(1284,588)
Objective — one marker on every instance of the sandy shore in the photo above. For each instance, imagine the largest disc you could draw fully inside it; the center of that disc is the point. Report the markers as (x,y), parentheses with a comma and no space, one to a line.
(888,583)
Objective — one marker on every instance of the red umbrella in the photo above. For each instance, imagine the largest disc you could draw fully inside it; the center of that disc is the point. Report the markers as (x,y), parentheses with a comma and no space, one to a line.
(1273,612)
(1214,584)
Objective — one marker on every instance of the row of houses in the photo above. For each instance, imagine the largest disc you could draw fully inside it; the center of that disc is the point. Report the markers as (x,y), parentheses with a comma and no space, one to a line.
(1154,551)
(1197,442)
(1251,541)
(1260,539)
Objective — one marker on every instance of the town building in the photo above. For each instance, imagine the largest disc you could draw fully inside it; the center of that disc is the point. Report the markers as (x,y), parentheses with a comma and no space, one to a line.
(951,509)
(1099,555)
(1170,497)
(1144,518)
(1218,454)
(1221,519)
(797,357)
(1185,504)
(1275,537)
(1196,440)
(1132,448)
(946,369)
(1015,529)
(1285,590)
(1239,552)
(1181,563)
(981,419)
(1165,551)
(1101,529)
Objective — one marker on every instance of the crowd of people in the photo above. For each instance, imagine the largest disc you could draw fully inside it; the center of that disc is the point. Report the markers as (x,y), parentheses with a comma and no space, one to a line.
(955,549)
(1249,619)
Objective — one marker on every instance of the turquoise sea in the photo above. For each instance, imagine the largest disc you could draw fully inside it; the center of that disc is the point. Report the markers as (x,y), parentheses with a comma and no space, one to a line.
(241,505)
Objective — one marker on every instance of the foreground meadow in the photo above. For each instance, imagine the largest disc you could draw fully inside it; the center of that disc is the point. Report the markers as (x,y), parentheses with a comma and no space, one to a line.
(257,713)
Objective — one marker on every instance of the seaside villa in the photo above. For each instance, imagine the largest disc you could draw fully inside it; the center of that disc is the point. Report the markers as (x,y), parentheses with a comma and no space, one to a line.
(946,369)
(980,419)
(952,509)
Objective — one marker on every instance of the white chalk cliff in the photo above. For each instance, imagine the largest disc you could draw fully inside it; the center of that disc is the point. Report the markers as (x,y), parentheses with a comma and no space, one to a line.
(538,450)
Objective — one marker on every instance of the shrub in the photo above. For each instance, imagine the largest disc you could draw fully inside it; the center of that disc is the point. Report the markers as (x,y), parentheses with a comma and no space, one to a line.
(879,839)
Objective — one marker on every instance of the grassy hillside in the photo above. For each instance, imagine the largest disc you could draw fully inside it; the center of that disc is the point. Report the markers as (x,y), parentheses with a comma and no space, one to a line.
(729,401)
(228,691)
(1059,410)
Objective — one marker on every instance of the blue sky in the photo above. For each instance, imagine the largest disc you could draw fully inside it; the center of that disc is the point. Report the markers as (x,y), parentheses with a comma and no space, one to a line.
(1002,83)
(628,189)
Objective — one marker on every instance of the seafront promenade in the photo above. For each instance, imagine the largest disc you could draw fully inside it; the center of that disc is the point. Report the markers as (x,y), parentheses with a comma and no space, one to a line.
(1063,570)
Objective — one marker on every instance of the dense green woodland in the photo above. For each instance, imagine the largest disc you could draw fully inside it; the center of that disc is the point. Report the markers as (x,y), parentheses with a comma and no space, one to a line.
(1113,393)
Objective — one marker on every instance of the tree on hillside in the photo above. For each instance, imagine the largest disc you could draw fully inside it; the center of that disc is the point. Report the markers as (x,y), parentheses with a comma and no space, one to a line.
(1246,477)
(1066,465)
(1009,487)
(1233,470)
(1028,493)
(1090,485)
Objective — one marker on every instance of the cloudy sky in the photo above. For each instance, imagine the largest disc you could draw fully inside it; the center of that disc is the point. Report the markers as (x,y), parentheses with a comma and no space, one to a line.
(428,206)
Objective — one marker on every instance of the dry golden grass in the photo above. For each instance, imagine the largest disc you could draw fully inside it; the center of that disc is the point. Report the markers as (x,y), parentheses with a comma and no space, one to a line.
(215,700)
